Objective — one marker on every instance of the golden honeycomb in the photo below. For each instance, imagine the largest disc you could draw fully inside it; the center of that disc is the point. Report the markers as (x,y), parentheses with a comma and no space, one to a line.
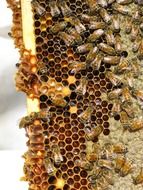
(88,58)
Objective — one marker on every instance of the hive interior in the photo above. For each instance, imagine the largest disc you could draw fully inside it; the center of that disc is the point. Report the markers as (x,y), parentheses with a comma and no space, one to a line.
(79,91)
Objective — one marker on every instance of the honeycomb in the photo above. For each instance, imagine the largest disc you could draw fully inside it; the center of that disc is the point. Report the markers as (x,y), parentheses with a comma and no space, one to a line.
(83,74)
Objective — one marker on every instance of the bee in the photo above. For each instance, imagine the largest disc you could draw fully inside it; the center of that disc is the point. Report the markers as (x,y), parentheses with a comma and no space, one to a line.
(102,184)
(80,28)
(110,37)
(91,55)
(59,101)
(140,2)
(107,164)
(107,49)
(94,132)
(115,23)
(105,16)
(112,60)
(51,170)
(128,25)
(124,2)
(85,115)
(138,94)
(95,25)
(124,119)
(54,8)
(58,27)
(136,125)
(118,44)
(81,89)
(102,3)
(114,94)
(84,48)
(92,157)
(116,107)
(140,51)
(66,11)
(76,35)
(120,9)
(93,5)
(141,26)
(58,158)
(139,178)
(25,121)
(119,163)
(111,1)
(119,149)
(39,9)
(126,168)
(137,17)
(95,35)
(88,18)
(96,174)
(136,44)
(128,79)
(68,39)
(122,66)
(84,164)
(96,63)
(127,107)
(107,152)
(108,177)
(76,66)
(115,80)
(134,32)
(126,95)
(135,67)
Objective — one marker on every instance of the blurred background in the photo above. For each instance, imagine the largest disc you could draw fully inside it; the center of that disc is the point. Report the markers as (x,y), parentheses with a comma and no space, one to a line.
(12,103)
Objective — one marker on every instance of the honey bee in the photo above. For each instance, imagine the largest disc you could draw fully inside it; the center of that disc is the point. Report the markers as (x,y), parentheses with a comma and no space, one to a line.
(84,48)
(122,66)
(124,2)
(66,11)
(96,174)
(119,149)
(68,39)
(58,158)
(118,44)
(94,132)
(83,163)
(93,5)
(112,60)
(124,119)
(39,9)
(102,184)
(139,178)
(88,18)
(80,28)
(128,25)
(59,101)
(25,121)
(76,35)
(102,3)
(54,8)
(116,107)
(138,94)
(81,89)
(127,107)
(107,49)
(85,115)
(76,66)
(126,168)
(140,51)
(96,63)
(92,157)
(108,177)
(136,125)
(134,32)
(91,55)
(111,1)
(107,152)
(95,25)
(107,164)
(95,35)
(121,9)
(136,44)
(105,16)
(135,67)
(126,95)
(51,170)
(58,27)
(139,2)
(110,37)
(115,80)
(115,23)
(128,79)
(119,163)
(137,17)
(114,94)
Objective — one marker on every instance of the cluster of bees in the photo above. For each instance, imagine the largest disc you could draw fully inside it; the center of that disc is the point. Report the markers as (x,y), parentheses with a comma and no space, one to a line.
(16,30)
